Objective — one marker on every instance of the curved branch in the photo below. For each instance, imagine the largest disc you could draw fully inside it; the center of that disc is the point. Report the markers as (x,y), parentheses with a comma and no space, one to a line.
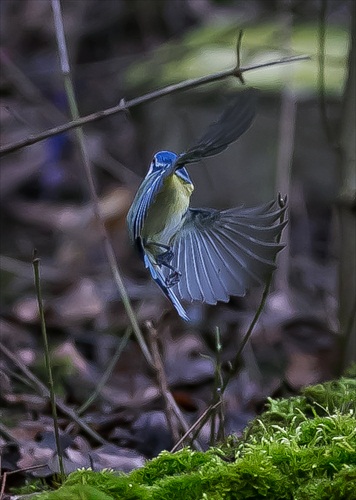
(151,96)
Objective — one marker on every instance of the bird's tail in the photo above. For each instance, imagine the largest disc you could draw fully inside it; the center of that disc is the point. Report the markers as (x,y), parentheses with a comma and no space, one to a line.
(161,282)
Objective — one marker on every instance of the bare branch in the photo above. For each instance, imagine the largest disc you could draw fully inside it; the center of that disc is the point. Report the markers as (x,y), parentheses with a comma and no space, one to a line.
(109,250)
(151,96)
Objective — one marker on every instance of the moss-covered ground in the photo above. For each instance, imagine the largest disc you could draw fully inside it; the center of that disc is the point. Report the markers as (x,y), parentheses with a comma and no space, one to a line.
(299,448)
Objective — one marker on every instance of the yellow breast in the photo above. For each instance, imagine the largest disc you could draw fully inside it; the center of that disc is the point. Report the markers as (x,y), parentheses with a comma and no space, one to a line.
(164,217)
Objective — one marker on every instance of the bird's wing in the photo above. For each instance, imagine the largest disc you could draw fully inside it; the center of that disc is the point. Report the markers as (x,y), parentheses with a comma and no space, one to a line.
(233,122)
(222,253)
(144,198)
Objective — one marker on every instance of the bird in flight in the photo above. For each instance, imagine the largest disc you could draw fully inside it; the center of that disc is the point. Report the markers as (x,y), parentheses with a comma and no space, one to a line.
(196,254)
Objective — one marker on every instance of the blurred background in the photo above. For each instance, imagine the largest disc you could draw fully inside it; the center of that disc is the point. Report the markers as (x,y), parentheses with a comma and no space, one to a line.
(300,145)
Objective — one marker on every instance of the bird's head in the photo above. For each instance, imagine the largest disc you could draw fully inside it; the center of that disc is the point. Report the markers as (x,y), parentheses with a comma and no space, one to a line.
(161,161)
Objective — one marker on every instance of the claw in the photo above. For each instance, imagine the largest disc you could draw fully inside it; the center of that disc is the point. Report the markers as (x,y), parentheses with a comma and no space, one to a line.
(173,278)
(163,259)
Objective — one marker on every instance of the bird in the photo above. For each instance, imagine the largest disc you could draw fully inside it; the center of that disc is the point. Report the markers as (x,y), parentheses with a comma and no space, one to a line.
(203,254)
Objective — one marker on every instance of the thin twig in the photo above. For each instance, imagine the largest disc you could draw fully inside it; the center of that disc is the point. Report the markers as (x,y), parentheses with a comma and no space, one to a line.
(16,376)
(236,362)
(218,382)
(17,471)
(201,420)
(44,392)
(36,270)
(162,381)
(110,254)
(175,408)
(107,373)
(286,140)
(150,96)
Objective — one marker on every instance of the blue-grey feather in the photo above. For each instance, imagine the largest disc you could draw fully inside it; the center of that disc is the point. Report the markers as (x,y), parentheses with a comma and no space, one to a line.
(222,253)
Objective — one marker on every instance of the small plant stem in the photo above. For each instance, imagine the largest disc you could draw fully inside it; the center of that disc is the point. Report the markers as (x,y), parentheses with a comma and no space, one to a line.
(199,422)
(162,381)
(236,362)
(170,403)
(150,96)
(36,269)
(218,381)
(182,421)
(106,375)
(110,254)
(44,392)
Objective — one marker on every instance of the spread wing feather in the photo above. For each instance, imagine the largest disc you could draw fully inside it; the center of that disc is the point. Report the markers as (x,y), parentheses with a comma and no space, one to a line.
(222,253)
(202,272)
(233,122)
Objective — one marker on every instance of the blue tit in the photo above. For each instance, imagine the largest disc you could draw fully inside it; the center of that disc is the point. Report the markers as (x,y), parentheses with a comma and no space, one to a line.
(195,254)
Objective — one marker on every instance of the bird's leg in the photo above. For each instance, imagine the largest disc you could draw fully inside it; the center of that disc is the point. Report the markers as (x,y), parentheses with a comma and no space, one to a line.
(174,277)
(164,259)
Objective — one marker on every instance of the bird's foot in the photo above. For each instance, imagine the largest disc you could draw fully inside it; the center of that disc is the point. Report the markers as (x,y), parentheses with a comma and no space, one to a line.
(163,259)
(173,278)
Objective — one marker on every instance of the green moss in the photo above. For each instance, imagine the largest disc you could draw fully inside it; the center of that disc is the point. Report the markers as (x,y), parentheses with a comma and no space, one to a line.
(81,492)
(322,399)
(334,395)
(340,487)
(299,448)
(168,464)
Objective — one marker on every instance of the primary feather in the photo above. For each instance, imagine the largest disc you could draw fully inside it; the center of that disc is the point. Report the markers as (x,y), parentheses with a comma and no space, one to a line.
(223,253)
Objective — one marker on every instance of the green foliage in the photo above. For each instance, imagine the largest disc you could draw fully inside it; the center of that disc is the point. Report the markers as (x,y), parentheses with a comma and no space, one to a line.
(300,448)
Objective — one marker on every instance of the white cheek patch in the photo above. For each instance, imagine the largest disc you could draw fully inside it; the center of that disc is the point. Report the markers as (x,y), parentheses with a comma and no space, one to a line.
(152,168)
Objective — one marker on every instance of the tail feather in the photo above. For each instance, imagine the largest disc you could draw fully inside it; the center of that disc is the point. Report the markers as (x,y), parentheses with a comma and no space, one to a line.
(160,280)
